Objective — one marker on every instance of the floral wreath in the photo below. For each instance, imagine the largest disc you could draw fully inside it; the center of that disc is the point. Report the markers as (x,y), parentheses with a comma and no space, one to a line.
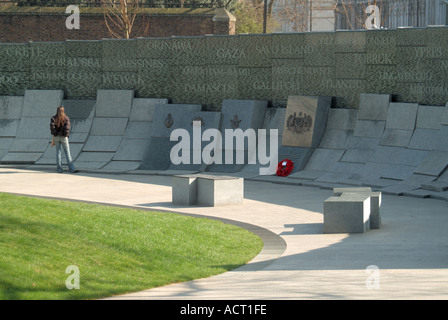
(284,167)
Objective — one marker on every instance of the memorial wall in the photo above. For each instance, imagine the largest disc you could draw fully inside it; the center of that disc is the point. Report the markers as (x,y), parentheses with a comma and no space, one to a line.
(411,64)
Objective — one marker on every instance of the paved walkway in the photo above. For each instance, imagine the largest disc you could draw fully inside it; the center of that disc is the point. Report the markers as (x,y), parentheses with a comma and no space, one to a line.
(298,261)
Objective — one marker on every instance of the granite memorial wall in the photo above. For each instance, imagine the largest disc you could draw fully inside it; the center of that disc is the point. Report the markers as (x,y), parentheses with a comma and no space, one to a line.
(410,63)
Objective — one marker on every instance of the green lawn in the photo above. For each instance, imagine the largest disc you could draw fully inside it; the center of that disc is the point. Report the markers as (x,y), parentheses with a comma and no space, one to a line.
(117,250)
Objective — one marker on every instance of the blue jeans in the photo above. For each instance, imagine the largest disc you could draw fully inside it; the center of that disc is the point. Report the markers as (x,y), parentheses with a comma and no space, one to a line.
(62,142)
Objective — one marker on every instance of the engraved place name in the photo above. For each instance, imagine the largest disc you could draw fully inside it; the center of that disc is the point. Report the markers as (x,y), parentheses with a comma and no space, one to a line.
(406,76)
(380,58)
(169,45)
(234,53)
(141,63)
(342,84)
(283,49)
(261,85)
(428,53)
(211,88)
(120,79)
(286,86)
(52,76)
(24,51)
(74,62)
(8,79)
(444,64)
(381,41)
(428,90)
(287,70)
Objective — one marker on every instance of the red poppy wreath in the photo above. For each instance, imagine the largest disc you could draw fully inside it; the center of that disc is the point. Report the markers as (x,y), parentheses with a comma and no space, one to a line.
(284,167)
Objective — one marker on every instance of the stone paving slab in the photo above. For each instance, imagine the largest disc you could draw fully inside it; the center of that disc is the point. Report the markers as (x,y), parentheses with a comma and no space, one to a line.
(410,244)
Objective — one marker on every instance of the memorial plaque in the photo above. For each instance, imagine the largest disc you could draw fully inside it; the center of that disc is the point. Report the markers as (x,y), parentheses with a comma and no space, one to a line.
(305,121)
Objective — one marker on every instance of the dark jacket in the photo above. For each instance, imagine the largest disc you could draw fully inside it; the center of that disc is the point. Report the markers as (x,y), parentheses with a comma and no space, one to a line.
(64,130)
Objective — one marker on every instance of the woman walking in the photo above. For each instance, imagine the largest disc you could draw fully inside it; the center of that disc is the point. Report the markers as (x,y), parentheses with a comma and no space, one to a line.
(60,129)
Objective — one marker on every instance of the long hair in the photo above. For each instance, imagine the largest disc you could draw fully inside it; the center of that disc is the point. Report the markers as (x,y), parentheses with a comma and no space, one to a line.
(60,117)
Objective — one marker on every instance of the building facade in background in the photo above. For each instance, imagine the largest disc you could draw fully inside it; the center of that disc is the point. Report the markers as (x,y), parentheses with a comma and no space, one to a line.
(330,15)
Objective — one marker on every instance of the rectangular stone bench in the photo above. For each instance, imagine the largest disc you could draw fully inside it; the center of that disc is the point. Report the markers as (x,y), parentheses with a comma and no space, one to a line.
(340,191)
(375,202)
(184,189)
(207,190)
(348,213)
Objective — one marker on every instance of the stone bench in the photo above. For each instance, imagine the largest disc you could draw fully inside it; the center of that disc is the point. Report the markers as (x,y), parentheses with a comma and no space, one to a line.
(348,213)
(207,190)
(375,202)
(184,189)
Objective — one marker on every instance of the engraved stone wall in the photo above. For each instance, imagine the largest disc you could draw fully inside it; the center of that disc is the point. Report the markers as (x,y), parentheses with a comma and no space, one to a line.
(409,64)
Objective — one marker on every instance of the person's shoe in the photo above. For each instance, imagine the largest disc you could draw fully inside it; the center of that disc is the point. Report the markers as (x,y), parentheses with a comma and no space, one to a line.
(60,171)
(74,171)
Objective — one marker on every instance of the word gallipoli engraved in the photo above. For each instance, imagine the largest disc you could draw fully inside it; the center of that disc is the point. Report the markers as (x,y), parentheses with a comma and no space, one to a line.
(169,120)
(299,124)
(235,123)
